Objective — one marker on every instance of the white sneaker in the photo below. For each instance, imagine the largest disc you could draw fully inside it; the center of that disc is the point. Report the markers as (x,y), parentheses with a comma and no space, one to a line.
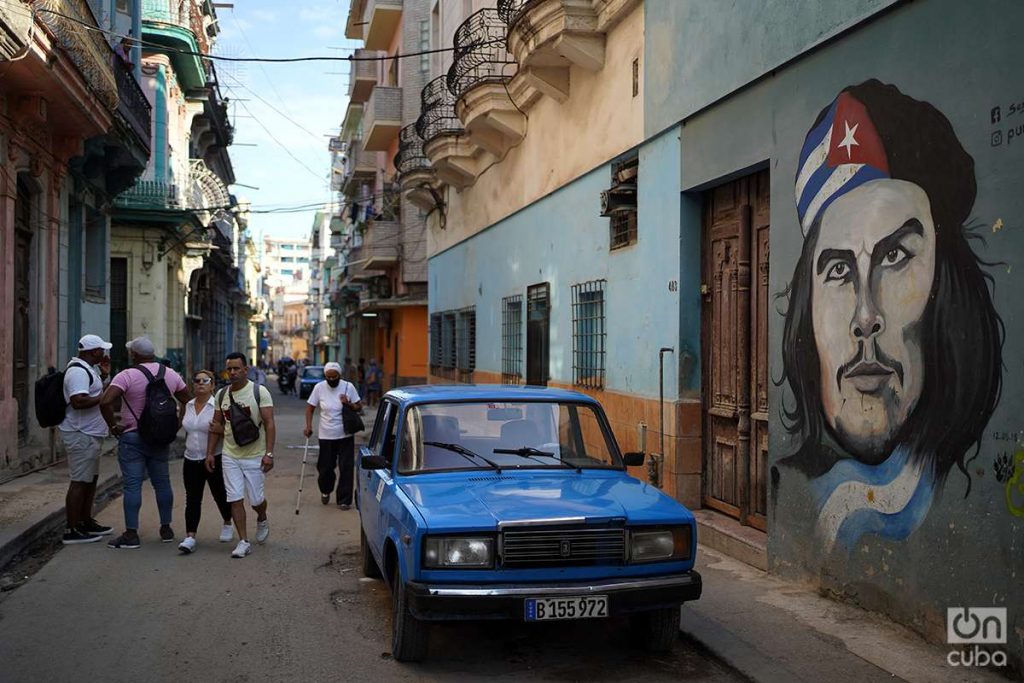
(227,532)
(242,549)
(262,531)
(188,545)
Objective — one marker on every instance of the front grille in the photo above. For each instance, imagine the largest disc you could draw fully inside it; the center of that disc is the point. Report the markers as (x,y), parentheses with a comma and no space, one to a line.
(562,547)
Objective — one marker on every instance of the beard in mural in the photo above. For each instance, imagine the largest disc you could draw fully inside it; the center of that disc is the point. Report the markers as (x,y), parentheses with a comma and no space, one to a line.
(892,347)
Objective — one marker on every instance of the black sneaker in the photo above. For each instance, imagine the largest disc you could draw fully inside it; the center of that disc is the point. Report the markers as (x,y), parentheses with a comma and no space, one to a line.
(325,498)
(344,506)
(94,528)
(125,540)
(75,536)
(166,534)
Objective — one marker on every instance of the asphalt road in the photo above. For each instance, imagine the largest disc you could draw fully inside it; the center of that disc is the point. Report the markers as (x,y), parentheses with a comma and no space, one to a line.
(295,609)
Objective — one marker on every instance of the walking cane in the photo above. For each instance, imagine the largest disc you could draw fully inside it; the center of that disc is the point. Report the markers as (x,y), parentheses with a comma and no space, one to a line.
(302,475)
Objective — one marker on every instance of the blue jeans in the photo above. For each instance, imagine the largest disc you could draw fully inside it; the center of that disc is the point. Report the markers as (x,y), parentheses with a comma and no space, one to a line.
(137,458)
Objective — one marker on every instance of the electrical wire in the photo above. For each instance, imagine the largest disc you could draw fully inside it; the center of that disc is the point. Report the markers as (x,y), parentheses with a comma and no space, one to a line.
(281,144)
(319,138)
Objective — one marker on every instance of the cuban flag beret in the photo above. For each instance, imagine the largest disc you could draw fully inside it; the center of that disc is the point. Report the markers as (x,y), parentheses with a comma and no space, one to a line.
(841,153)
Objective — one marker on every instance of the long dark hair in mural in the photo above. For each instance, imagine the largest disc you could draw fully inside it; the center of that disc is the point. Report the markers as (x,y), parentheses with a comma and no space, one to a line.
(892,347)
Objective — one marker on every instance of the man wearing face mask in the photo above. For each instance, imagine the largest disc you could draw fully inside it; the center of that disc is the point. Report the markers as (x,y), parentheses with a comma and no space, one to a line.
(337,447)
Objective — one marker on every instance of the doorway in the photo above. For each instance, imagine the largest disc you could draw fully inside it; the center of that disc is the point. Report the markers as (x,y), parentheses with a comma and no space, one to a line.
(734,344)
(538,326)
(118,313)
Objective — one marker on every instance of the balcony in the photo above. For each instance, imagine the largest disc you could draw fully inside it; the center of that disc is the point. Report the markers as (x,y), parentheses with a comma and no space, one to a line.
(178,25)
(357,269)
(363,76)
(374,21)
(360,167)
(132,104)
(150,195)
(15,25)
(547,37)
(380,243)
(70,21)
(454,158)
(478,78)
(382,118)
(415,174)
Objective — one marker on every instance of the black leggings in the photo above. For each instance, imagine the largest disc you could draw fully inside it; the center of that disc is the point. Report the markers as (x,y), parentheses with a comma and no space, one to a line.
(336,453)
(196,478)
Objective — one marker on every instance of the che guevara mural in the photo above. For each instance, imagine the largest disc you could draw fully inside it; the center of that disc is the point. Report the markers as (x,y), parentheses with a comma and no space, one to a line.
(892,348)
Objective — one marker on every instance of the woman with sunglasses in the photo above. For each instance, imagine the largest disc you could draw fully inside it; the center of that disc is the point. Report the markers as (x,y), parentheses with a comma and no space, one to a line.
(198,416)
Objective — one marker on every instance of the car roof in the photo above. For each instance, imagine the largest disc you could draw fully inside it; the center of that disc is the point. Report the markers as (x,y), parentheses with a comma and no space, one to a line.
(433,393)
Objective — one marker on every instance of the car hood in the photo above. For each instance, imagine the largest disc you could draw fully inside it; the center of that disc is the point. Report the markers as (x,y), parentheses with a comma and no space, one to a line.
(483,500)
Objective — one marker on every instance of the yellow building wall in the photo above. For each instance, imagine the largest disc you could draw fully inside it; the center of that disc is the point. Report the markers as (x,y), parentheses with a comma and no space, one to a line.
(600,120)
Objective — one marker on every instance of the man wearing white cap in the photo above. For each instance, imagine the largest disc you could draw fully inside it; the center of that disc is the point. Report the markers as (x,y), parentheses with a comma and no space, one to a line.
(82,432)
(337,447)
(137,458)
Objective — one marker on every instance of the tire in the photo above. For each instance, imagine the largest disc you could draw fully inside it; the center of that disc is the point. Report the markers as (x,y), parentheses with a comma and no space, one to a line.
(409,635)
(656,630)
(370,568)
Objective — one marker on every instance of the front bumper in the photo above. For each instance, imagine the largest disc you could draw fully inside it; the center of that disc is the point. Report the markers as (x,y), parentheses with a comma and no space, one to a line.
(505,601)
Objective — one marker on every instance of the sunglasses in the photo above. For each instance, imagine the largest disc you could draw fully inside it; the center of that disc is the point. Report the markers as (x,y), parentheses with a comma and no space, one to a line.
(201,380)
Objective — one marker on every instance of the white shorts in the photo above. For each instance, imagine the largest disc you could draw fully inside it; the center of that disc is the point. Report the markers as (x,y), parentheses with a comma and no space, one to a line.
(243,478)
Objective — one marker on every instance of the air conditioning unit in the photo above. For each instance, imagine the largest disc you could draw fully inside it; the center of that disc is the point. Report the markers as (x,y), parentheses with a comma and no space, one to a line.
(619,198)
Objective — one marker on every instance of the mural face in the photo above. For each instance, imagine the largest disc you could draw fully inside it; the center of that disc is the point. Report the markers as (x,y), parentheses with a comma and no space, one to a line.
(874,264)
(892,348)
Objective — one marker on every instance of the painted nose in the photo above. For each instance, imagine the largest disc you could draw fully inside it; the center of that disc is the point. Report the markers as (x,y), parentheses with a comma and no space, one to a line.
(868,322)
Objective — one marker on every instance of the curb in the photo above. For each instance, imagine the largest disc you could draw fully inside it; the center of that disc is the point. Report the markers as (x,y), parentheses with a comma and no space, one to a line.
(15,539)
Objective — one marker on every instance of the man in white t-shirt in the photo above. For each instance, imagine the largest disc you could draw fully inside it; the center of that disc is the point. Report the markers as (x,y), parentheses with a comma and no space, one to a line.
(82,432)
(337,447)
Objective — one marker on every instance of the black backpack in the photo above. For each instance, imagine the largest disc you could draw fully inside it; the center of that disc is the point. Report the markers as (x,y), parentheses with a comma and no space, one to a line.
(50,404)
(158,424)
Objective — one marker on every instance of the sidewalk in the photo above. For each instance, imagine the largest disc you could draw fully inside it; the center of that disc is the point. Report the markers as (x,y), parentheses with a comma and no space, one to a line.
(771,630)
(33,505)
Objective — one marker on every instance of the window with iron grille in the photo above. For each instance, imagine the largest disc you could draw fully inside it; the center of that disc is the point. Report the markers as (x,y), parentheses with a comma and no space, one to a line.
(623,203)
(466,335)
(512,339)
(435,340)
(448,341)
(588,334)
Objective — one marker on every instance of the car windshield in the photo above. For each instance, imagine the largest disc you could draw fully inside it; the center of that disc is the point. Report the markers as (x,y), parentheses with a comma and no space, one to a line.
(528,435)
(312,373)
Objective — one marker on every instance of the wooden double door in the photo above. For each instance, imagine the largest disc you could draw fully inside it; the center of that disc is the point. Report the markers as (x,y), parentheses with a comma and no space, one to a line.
(735,310)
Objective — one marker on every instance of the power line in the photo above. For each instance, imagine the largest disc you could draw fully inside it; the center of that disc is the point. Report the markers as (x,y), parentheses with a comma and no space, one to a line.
(275,109)
(281,144)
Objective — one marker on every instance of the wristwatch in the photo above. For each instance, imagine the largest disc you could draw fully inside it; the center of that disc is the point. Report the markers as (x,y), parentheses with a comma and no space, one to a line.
(269,455)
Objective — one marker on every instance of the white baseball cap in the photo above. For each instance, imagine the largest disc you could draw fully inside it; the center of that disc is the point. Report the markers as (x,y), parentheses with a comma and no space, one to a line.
(93,341)
(141,345)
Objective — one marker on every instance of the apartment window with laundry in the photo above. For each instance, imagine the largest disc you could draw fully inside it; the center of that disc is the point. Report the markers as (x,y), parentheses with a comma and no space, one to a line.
(620,203)
(95,254)
(466,335)
(588,334)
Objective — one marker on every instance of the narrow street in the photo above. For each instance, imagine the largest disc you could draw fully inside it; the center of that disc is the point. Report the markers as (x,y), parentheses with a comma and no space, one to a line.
(295,609)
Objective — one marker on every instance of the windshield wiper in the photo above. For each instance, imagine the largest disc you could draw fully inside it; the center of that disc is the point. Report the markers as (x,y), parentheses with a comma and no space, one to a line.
(464,452)
(531,452)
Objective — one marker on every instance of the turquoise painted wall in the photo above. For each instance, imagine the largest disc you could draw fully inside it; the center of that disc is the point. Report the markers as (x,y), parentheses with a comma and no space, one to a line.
(562,239)
(697,51)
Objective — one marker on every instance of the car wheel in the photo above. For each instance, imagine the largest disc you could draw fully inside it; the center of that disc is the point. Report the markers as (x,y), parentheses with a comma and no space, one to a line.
(409,635)
(370,568)
(656,630)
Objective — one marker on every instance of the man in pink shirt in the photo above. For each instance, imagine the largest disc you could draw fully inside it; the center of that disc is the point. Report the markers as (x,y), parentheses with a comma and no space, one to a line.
(136,457)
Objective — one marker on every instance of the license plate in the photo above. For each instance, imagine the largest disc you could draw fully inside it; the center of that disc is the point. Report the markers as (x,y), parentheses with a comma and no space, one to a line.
(574,607)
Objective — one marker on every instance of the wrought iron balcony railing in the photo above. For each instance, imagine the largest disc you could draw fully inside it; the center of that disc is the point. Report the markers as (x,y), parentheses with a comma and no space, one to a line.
(437,113)
(480,55)
(184,13)
(510,10)
(410,155)
(70,21)
(132,104)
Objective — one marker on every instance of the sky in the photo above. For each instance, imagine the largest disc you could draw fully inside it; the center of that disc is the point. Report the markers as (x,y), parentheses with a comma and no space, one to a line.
(286,159)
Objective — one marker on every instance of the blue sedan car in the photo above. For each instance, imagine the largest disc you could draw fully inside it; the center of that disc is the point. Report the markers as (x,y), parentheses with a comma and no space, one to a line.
(496,502)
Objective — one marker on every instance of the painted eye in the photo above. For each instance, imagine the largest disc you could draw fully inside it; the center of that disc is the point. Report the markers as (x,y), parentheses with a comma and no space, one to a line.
(838,272)
(894,256)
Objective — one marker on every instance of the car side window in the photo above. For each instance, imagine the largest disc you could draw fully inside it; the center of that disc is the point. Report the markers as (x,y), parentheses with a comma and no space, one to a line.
(389,431)
(378,426)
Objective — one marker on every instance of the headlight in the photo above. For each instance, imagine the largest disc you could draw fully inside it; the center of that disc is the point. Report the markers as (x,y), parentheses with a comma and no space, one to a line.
(660,544)
(441,552)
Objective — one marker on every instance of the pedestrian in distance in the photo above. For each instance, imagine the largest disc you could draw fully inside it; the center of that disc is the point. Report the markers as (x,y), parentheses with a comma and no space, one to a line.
(199,414)
(348,372)
(337,447)
(82,432)
(244,416)
(374,378)
(361,376)
(150,420)
(257,376)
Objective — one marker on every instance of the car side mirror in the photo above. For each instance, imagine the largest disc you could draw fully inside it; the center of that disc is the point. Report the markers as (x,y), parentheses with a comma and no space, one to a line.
(633,458)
